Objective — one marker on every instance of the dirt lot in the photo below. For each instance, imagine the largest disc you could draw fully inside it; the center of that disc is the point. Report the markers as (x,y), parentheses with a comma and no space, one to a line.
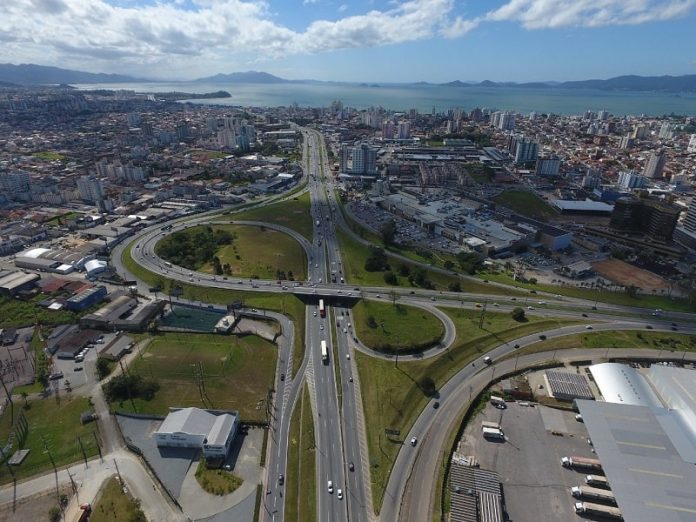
(625,274)
(32,508)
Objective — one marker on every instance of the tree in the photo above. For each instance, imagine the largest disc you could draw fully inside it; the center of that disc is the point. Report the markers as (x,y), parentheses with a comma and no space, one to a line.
(217,266)
(24,396)
(427,386)
(404,270)
(454,286)
(54,514)
(371,321)
(390,278)
(103,367)
(470,262)
(388,232)
(449,265)
(518,314)
(377,262)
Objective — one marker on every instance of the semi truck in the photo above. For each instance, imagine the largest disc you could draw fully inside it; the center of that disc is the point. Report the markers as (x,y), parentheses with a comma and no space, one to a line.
(493,433)
(588,508)
(587,492)
(597,481)
(581,462)
(322,310)
(324,352)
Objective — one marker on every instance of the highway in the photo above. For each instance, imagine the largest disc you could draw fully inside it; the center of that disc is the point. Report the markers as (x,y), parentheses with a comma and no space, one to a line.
(334,385)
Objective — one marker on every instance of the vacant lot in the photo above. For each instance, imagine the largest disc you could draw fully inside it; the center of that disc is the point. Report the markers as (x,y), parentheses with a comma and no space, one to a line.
(526,203)
(259,252)
(237,373)
(395,327)
(114,505)
(625,274)
(58,422)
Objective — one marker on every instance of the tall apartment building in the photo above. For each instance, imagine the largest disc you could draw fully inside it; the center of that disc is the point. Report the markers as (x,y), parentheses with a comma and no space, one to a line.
(666,131)
(627,142)
(629,180)
(653,217)
(15,182)
(691,148)
(404,130)
(90,188)
(592,179)
(503,120)
(523,150)
(387,130)
(655,165)
(686,233)
(548,167)
(360,159)
(640,132)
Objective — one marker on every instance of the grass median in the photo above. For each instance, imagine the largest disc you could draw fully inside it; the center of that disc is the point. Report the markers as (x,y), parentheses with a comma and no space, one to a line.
(300,483)
(394,327)
(393,393)
(292,213)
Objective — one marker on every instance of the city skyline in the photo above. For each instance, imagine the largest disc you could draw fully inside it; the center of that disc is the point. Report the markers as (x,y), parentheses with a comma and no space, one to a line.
(366,40)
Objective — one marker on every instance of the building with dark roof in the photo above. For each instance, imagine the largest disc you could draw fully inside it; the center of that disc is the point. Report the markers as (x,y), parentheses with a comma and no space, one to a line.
(653,217)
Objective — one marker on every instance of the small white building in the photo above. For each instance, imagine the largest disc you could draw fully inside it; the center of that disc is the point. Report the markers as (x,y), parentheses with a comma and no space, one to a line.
(212,431)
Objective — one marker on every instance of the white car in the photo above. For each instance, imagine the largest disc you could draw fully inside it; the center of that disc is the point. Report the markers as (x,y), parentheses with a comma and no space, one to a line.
(339,494)
(588,327)
(330,486)
(414,441)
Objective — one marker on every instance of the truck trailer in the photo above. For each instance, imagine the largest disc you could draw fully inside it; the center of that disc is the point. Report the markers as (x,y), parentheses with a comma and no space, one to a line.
(587,492)
(588,508)
(493,433)
(489,424)
(581,462)
(597,481)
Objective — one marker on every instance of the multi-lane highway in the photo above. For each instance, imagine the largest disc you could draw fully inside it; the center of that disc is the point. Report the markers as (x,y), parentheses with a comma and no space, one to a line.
(342,459)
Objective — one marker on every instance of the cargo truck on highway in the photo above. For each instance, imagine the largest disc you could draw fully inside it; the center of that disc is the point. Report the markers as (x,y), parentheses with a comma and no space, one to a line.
(589,493)
(322,310)
(597,481)
(588,508)
(581,462)
(324,352)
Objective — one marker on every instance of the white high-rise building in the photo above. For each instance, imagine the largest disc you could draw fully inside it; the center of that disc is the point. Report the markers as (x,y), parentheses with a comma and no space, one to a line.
(404,130)
(503,120)
(655,165)
(630,179)
(691,148)
(666,131)
(91,189)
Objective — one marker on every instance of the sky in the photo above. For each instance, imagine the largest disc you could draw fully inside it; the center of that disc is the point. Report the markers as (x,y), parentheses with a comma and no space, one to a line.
(355,40)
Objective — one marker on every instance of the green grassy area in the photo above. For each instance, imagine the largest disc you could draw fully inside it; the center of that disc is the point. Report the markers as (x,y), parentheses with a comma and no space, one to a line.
(116,506)
(672,341)
(393,397)
(58,422)
(15,313)
(48,155)
(237,373)
(618,298)
(293,213)
(285,303)
(300,483)
(36,346)
(394,327)
(216,481)
(260,252)
(526,203)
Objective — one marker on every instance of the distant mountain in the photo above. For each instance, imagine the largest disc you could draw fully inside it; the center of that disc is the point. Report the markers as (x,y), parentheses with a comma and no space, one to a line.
(243,77)
(30,74)
(686,83)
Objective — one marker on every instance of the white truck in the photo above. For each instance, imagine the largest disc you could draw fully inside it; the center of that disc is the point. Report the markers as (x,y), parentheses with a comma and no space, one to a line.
(493,433)
(590,493)
(597,481)
(588,508)
(581,462)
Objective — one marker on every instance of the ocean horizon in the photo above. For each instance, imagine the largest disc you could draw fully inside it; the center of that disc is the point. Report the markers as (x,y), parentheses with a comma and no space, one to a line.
(426,97)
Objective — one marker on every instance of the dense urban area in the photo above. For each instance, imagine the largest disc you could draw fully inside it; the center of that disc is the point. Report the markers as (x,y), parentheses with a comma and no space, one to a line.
(328,313)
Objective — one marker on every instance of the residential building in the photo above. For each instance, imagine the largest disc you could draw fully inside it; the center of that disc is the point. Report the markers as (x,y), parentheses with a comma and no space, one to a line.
(547,167)
(653,217)
(655,165)
(90,188)
(630,180)
(360,159)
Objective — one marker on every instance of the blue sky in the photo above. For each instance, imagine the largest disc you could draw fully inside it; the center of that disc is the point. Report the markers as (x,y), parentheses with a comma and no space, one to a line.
(356,40)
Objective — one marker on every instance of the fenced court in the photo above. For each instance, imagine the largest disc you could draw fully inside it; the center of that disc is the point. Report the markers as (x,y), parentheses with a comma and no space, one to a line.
(192,319)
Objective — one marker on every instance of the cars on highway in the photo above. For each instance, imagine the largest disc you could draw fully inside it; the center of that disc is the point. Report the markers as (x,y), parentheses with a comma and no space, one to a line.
(351,466)
(339,494)
(329,486)
(414,441)
(487,360)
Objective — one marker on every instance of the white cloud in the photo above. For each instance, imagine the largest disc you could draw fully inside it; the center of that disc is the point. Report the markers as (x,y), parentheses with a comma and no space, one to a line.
(187,39)
(342,8)
(308,2)
(542,14)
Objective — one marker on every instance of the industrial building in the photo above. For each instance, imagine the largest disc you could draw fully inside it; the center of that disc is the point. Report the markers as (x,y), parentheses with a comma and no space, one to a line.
(212,431)
(86,298)
(644,433)
(476,494)
(123,313)
(585,208)
(12,283)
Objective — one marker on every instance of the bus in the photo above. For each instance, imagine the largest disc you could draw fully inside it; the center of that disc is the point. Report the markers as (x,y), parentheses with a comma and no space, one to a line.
(324,352)
(322,310)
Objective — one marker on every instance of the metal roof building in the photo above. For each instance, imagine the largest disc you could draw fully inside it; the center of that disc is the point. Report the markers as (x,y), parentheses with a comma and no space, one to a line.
(567,386)
(213,431)
(622,384)
(649,477)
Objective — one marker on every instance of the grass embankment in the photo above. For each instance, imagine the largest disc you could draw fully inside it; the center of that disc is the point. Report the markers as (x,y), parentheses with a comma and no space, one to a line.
(237,373)
(393,398)
(216,481)
(668,341)
(292,213)
(526,203)
(260,253)
(389,327)
(603,296)
(300,483)
(284,303)
(58,422)
(116,506)
(49,155)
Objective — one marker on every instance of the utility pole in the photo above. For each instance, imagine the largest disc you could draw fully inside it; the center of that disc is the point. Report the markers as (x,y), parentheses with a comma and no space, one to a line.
(483,314)
(53,463)
(96,440)
(9,398)
(84,455)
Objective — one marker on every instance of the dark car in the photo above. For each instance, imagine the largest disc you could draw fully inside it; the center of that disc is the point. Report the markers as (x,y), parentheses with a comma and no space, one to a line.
(649,327)
(281,480)
(584,315)
(351,466)
(542,337)
(436,405)
(517,346)
(282,376)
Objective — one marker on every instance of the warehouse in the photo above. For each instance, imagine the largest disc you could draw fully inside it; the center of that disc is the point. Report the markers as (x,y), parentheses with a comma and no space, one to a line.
(86,298)
(14,282)
(211,430)
(110,312)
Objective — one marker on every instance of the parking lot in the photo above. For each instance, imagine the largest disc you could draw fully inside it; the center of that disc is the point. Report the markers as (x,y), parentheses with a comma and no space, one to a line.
(536,487)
